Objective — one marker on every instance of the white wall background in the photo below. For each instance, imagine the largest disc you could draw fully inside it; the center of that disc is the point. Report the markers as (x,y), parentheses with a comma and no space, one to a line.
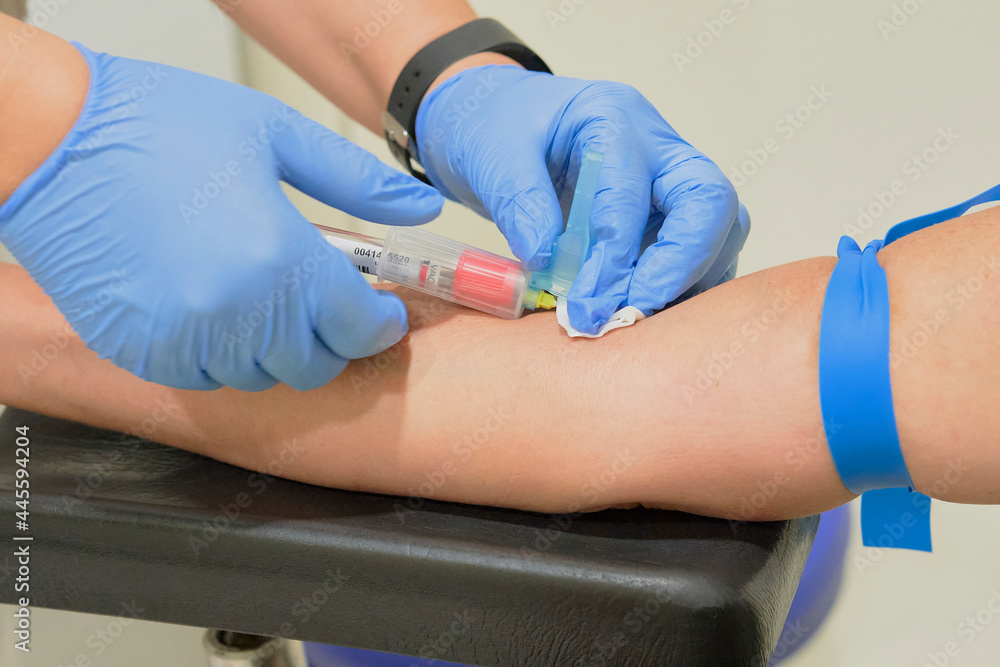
(891,94)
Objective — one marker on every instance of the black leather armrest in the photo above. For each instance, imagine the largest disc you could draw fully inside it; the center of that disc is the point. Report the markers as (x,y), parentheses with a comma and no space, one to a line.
(184,539)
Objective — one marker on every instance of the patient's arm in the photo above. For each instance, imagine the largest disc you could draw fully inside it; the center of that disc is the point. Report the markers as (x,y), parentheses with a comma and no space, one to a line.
(696,408)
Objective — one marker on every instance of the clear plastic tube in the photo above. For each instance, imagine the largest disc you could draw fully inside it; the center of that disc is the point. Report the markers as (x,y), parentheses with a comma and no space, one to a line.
(454,271)
(444,268)
(363,251)
(472,277)
(571,247)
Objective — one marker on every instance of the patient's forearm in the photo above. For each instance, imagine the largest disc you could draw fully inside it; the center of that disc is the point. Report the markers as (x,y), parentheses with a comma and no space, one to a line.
(697,408)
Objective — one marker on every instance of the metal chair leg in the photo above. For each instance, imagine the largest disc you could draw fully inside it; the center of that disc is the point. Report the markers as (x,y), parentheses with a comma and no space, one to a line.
(225,648)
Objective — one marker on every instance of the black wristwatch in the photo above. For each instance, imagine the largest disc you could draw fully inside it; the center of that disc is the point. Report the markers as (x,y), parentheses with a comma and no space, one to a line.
(479,36)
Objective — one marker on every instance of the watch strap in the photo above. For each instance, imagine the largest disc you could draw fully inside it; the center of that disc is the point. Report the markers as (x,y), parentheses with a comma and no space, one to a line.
(399,120)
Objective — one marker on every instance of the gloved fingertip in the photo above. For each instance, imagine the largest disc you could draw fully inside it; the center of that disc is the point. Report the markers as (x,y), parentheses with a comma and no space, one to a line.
(531,227)
(535,261)
(744,217)
(248,379)
(539,262)
(590,314)
(201,382)
(423,208)
(521,242)
(394,327)
(257,388)
(331,169)
(381,324)
(305,366)
(413,202)
(394,179)
(208,384)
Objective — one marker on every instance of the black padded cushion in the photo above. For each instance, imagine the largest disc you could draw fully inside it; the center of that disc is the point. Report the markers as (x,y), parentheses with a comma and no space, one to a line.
(117,519)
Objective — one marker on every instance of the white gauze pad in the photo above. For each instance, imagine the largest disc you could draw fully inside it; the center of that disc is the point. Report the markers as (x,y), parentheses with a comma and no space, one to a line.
(622,318)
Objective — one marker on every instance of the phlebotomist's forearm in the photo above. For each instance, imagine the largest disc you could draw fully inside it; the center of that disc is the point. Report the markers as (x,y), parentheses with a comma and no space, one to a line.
(352,52)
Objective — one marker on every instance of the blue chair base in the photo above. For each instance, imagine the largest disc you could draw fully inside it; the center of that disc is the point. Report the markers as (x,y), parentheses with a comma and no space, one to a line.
(819,586)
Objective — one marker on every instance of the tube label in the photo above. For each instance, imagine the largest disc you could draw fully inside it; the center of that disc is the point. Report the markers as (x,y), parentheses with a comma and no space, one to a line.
(364,254)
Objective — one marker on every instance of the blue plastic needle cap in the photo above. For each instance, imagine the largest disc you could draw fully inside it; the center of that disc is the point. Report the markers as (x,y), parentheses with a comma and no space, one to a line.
(571,247)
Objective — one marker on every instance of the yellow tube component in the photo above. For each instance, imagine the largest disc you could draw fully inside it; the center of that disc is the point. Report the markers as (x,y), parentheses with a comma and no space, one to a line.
(546,300)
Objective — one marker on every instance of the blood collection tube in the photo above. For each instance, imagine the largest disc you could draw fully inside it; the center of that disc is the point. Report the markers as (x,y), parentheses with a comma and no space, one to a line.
(444,268)
(472,277)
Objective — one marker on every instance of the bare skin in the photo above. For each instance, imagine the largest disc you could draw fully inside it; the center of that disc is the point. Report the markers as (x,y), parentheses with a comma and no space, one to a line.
(474,409)
(44,79)
(326,43)
(43,84)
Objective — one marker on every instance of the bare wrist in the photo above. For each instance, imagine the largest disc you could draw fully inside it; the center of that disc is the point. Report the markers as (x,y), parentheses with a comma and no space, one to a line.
(390,63)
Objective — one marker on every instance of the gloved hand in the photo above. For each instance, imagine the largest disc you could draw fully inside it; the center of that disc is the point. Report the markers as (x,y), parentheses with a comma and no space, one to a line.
(507,143)
(160,230)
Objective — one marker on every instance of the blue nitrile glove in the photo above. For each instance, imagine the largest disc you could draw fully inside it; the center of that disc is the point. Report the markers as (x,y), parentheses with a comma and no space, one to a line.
(160,230)
(507,143)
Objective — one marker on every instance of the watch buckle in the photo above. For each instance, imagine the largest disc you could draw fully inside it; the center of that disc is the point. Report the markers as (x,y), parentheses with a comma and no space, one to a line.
(395,132)
(399,144)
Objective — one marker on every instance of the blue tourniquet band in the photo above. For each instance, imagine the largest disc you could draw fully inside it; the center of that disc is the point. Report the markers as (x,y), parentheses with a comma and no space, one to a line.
(856,390)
